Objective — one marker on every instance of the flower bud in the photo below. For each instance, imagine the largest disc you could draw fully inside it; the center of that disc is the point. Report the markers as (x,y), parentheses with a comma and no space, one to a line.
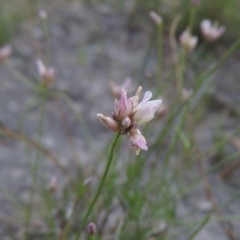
(91,229)
(47,74)
(155,17)
(5,52)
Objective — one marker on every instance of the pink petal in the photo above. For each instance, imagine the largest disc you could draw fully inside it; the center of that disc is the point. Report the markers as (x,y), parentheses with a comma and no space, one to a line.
(122,106)
(137,141)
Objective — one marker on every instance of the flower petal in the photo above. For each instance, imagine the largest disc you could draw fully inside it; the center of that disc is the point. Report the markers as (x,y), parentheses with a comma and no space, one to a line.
(123,106)
(145,111)
(108,122)
(137,141)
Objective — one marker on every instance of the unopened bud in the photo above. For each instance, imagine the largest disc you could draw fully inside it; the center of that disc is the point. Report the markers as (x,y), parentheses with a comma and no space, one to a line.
(126,122)
(155,17)
(53,183)
(91,229)
(5,52)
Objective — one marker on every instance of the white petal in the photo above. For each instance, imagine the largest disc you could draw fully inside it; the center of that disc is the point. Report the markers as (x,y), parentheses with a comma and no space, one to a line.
(145,111)
(147,96)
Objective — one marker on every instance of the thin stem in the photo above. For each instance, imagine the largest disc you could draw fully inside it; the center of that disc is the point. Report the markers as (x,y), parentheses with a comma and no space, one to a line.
(93,237)
(160,49)
(180,72)
(104,177)
(25,80)
(37,158)
(200,227)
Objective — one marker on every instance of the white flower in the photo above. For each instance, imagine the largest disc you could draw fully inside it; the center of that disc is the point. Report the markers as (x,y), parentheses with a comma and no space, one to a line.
(211,31)
(47,74)
(188,41)
(145,110)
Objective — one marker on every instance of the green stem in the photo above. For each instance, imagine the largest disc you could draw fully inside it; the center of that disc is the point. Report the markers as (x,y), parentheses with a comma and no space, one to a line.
(37,158)
(192,18)
(92,237)
(25,80)
(160,50)
(200,227)
(104,177)
(180,72)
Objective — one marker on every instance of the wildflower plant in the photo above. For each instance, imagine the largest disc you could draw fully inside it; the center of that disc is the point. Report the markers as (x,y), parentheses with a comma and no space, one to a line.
(129,113)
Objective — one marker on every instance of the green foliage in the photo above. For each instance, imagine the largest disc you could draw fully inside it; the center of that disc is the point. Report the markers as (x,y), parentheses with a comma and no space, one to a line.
(10,17)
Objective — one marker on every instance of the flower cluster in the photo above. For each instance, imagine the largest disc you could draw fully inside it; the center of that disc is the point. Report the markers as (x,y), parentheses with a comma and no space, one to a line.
(211,31)
(47,75)
(188,41)
(129,113)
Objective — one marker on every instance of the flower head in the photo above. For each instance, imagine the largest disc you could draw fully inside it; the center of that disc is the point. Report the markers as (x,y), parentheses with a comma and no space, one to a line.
(47,74)
(155,17)
(211,31)
(129,113)
(5,52)
(188,41)
(91,229)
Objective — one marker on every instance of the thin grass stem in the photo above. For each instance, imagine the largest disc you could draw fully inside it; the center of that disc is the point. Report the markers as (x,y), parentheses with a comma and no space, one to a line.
(99,190)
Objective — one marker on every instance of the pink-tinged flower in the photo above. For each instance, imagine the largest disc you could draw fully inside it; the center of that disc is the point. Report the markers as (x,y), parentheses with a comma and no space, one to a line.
(91,229)
(47,74)
(117,89)
(42,14)
(155,17)
(211,31)
(145,110)
(137,140)
(123,106)
(5,52)
(129,113)
(188,41)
